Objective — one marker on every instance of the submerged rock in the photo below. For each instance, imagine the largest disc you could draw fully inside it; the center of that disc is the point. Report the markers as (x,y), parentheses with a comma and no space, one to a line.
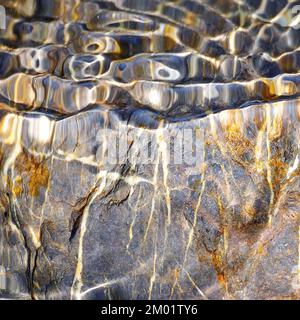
(149,150)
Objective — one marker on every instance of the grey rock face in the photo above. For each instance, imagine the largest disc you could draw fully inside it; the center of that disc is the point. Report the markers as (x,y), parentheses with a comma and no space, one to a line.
(149,150)
(224,225)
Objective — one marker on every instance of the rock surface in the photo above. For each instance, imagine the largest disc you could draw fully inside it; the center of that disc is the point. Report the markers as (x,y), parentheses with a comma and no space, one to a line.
(150,150)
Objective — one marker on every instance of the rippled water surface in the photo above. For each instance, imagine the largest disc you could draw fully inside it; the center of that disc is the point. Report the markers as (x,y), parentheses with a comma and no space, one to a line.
(176,57)
(211,88)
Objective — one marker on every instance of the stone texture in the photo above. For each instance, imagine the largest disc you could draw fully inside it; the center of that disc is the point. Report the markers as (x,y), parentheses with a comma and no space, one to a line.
(78,77)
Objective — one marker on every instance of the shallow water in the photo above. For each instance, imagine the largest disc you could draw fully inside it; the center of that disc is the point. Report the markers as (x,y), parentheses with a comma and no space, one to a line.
(176,57)
(211,88)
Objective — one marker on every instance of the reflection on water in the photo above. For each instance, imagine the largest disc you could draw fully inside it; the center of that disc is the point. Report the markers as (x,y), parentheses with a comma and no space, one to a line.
(176,57)
(210,88)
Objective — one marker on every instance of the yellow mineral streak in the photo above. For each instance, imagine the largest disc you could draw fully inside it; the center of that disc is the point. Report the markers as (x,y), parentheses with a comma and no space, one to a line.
(191,234)
(192,229)
(269,169)
(165,158)
(153,277)
(259,150)
(102,285)
(103,178)
(196,212)
(134,209)
(17,187)
(77,282)
(155,179)
(202,294)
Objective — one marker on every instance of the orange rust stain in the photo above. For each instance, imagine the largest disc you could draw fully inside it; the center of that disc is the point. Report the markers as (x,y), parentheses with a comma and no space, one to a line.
(176,273)
(17,188)
(221,279)
(237,141)
(217,260)
(279,169)
(37,172)
(219,265)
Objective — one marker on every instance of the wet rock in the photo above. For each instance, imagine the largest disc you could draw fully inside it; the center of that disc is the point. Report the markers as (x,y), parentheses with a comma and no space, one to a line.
(149,150)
